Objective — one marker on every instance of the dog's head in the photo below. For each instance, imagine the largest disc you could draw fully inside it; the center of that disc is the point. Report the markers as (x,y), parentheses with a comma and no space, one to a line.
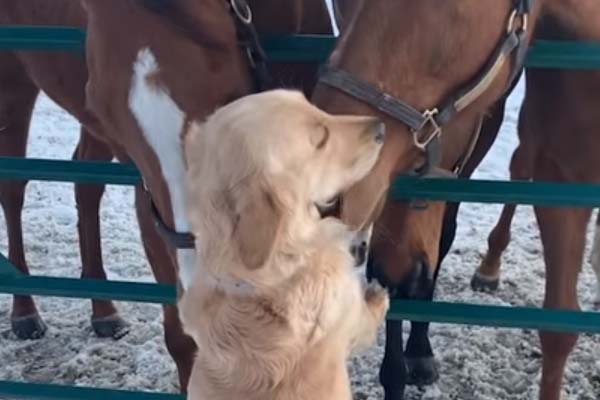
(260,168)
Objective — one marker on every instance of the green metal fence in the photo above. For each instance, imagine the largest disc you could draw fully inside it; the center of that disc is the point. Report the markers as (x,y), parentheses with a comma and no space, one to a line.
(305,48)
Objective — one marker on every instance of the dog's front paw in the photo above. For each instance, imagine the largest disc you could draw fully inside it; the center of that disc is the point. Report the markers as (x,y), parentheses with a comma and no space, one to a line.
(377,299)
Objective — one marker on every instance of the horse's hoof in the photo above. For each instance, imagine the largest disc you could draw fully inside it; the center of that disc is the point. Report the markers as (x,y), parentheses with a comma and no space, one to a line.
(30,327)
(422,371)
(481,283)
(112,326)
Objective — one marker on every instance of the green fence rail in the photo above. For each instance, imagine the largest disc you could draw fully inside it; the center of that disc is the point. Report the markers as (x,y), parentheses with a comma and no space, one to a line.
(297,48)
(304,48)
(37,391)
(12,168)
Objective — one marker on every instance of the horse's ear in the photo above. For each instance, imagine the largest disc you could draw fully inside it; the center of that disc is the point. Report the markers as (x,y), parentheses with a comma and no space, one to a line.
(344,12)
(256,225)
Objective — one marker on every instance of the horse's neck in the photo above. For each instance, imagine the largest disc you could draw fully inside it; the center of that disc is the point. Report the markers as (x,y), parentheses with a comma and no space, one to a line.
(572,19)
(296,16)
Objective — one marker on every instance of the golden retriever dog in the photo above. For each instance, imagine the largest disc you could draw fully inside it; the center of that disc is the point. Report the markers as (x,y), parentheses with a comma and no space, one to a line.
(275,305)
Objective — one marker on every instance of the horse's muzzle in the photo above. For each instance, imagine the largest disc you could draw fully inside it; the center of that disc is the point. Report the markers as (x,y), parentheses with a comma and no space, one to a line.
(418,284)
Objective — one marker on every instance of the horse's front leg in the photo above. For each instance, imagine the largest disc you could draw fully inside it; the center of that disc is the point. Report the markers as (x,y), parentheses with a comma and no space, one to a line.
(393,373)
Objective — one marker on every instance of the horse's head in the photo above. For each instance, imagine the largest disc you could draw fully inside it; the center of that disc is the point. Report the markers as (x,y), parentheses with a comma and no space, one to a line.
(156,65)
(431,69)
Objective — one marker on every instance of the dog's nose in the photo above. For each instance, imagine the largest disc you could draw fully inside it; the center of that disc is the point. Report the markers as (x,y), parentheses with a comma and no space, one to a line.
(379,132)
(359,252)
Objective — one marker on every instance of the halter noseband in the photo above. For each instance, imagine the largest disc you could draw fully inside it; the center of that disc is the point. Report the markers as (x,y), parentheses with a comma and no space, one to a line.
(426,127)
(257,58)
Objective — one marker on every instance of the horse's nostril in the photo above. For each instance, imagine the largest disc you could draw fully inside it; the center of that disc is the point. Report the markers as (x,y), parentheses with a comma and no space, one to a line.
(419,283)
(374,272)
(426,276)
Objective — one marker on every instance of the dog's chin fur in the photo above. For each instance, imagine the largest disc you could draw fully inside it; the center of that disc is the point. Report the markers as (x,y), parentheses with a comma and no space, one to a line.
(275,307)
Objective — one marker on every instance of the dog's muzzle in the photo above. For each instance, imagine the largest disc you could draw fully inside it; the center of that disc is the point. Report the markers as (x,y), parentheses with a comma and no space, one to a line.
(360,246)
(359,251)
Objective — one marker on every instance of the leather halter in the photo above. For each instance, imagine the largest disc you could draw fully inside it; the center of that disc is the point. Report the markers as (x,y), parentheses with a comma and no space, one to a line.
(257,58)
(250,42)
(426,127)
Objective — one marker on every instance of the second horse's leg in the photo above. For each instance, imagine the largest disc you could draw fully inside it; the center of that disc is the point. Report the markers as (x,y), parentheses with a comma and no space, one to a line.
(106,321)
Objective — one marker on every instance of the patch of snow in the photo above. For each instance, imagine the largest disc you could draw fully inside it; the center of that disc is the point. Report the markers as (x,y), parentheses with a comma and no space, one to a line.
(70,353)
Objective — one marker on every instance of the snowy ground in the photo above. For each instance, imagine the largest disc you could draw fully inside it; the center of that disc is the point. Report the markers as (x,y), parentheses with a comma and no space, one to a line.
(476,363)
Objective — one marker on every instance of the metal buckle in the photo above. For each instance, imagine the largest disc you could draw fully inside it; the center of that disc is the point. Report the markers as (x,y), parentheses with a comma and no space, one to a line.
(524,17)
(436,129)
(245,14)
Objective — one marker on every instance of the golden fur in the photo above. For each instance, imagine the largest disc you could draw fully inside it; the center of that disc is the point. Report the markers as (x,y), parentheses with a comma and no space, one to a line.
(275,306)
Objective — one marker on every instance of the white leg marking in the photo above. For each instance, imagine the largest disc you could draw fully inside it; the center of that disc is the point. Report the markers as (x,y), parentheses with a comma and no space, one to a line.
(595,261)
(161,122)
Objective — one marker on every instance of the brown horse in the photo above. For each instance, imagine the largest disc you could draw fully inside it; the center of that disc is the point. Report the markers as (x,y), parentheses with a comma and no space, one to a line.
(430,52)
(487,276)
(201,65)
(416,362)
(557,143)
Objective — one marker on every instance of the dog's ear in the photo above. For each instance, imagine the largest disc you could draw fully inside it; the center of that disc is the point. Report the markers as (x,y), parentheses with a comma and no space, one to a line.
(256,225)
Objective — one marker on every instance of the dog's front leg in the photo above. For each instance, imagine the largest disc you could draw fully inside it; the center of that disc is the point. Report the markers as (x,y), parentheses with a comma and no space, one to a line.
(375,304)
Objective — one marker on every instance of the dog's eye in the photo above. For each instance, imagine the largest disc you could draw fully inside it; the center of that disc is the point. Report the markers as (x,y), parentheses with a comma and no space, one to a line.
(331,208)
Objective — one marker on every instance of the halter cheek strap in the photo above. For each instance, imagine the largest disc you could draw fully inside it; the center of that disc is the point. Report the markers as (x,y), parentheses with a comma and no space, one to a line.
(257,59)
(250,42)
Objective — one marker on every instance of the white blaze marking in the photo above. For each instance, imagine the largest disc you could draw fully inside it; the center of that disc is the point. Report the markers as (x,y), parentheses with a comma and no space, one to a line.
(161,122)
